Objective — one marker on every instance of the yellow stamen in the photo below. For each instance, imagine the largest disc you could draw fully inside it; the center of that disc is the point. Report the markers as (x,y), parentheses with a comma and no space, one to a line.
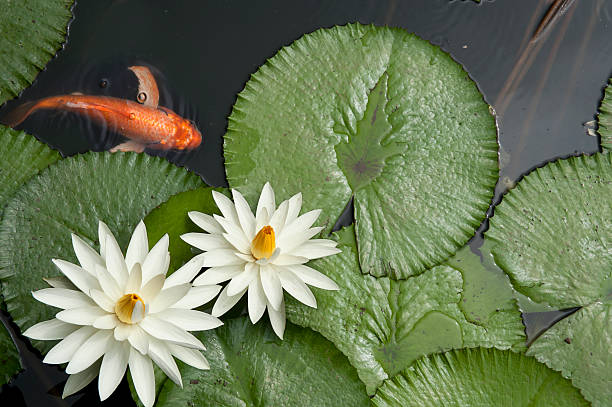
(263,244)
(124,308)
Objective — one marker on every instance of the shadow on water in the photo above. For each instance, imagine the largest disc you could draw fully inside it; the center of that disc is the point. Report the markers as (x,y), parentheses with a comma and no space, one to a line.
(204,53)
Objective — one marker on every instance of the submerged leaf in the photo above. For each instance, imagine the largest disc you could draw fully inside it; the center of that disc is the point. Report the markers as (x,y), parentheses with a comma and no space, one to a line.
(604,119)
(250,366)
(70,197)
(478,377)
(384,325)
(552,234)
(31,32)
(376,113)
(10,364)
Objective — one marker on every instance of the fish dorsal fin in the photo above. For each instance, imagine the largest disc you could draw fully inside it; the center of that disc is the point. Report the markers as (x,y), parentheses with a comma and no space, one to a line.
(77,93)
(148,93)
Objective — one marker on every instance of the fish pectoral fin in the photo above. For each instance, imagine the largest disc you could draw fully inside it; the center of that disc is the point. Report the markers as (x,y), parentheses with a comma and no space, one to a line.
(148,93)
(130,145)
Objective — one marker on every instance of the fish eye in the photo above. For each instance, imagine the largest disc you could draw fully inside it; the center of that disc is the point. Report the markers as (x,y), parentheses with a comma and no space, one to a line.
(142,97)
(103,83)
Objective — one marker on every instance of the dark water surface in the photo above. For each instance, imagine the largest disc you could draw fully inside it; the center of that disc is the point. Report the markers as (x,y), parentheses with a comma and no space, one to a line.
(543,93)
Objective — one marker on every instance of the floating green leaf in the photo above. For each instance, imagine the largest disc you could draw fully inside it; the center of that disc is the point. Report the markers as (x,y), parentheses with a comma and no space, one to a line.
(383,325)
(171,218)
(10,363)
(21,157)
(478,377)
(31,32)
(604,119)
(379,114)
(552,234)
(70,197)
(250,366)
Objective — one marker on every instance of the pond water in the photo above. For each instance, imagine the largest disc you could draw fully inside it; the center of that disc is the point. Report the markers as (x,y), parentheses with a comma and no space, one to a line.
(543,92)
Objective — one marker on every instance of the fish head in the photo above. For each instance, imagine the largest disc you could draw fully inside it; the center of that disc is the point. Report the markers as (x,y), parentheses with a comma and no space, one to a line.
(190,135)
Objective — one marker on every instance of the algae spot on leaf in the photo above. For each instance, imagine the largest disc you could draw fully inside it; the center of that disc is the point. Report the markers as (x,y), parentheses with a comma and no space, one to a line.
(552,235)
(376,113)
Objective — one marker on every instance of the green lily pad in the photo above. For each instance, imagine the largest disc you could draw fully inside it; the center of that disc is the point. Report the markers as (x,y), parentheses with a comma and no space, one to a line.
(250,366)
(552,235)
(478,377)
(10,363)
(378,114)
(70,197)
(604,119)
(21,157)
(31,32)
(384,325)
(171,218)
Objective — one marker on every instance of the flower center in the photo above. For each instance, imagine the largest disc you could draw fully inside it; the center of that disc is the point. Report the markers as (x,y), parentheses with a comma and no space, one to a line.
(130,309)
(263,244)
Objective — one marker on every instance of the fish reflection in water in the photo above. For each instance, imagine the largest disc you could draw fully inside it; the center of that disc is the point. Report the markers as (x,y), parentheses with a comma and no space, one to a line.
(144,123)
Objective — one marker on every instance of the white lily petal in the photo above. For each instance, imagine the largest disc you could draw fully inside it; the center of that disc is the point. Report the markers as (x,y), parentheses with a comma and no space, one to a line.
(162,357)
(314,250)
(139,339)
(242,280)
(91,350)
(102,300)
(257,300)
(215,275)
(225,302)
(122,331)
(266,201)
(295,205)
(285,259)
(103,233)
(277,220)
(238,242)
(300,225)
(88,257)
(63,298)
(79,277)
(296,287)
(79,380)
(247,258)
(186,273)
(226,207)
(290,242)
(157,260)
(206,222)
(192,357)
(63,351)
(108,284)
(198,296)
(134,281)
(277,319)
(221,257)
(108,321)
(245,216)
(50,330)
(60,282)
(271,286)
(141,370)
(205,241)
(151,290)
(112,369)
(168,297)
(115,263)
(189,320)
(233,229)
(166,331)
(81,316)
(262,219)
(313,277)
(138,248)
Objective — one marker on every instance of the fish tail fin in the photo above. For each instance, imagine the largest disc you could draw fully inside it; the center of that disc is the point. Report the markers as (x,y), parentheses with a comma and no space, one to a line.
(19,114)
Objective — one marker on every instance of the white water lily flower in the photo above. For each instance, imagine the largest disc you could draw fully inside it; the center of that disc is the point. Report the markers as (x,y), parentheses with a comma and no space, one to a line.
(119,312)
(263,254)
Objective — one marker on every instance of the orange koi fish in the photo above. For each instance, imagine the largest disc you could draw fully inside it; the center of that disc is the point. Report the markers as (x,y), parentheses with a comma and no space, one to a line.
(145,124)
